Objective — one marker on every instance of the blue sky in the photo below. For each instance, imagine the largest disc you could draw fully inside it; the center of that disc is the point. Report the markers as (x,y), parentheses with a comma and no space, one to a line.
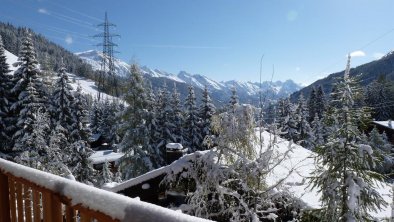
(222,39)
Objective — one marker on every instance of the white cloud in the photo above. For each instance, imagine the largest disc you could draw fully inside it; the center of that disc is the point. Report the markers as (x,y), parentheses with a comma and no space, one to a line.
(297,69)
(357,53)
(69,39)
(43,11)
(378,55)
(292,15)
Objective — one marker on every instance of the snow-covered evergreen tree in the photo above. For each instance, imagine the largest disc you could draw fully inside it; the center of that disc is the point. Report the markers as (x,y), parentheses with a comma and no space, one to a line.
(317,138)
(312,104)
(28,92)
(320,104)
(303,127)
(383,149)
(5,87)
(376,97)
(80,164)
(80,128)
(344,175)
(192,131)
(62,101)
(206,111)
(137,155)
(176,118)
(34,145)
(287,120)
(106,175)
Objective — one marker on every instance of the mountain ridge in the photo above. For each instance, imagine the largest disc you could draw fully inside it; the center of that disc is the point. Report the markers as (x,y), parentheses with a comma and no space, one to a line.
(247,91)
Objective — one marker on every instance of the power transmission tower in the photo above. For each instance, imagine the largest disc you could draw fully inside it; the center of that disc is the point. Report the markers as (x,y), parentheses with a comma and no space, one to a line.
(107,71)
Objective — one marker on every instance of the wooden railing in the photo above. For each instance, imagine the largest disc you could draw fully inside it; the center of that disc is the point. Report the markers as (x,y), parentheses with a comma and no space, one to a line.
(31,195)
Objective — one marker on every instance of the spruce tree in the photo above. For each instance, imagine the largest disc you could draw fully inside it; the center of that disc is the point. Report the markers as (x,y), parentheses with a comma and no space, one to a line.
(320,102)
(176,118)
(5,87)
(206,111)
(80,128)
(344,175)
(62,101)
(106,175)
(312,104)
(28,94)
(80,164)
(137,155)
(192,132)
(303,127)
(317,138)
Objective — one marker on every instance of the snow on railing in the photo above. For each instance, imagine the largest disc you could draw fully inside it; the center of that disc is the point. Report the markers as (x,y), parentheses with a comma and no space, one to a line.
(28,194)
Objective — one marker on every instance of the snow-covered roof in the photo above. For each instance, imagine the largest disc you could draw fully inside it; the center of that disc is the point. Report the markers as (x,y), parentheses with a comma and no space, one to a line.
(103,156)
(175,167)
(140,179)
(388,124)
(114,205)
(174,146)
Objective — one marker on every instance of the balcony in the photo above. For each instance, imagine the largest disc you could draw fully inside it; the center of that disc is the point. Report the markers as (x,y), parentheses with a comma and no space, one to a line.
(31,195)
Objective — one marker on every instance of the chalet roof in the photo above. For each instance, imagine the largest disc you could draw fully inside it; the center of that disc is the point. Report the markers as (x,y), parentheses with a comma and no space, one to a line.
(103,156)
(175,167)
(386,124)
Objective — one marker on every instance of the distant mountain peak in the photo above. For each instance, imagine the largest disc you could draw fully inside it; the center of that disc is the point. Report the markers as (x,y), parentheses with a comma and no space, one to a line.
(246,90)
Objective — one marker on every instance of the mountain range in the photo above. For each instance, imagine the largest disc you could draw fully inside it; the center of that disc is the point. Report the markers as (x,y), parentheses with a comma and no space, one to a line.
(248,92)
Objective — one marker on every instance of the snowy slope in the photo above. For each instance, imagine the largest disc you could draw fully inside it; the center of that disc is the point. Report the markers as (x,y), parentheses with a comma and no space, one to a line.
(11,59)
(302,161)
(87,85)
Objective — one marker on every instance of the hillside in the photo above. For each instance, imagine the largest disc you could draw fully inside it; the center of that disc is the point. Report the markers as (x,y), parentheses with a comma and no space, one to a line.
(49,54)
(366,74)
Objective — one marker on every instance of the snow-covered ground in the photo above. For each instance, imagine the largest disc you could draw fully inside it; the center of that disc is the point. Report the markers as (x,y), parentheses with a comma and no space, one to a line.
(11,59)
(302,161)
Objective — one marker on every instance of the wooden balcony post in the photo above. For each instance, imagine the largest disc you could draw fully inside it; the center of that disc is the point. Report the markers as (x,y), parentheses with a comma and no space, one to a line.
(4,198)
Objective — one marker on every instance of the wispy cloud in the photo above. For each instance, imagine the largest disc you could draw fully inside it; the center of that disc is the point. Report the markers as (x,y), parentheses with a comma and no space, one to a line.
(179,46)
(292,15)
(357,53)
(378,55)
(43,11)
(69,39)
(298,69)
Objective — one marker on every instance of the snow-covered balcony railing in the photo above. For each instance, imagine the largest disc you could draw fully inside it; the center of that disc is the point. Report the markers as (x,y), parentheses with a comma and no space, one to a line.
(28,194)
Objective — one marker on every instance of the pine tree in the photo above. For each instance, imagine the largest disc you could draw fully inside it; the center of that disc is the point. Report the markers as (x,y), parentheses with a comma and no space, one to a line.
(303,127)
(317,138)
(383,149)
(376,97)
(312,104)
(176,118)
(62,101)
(287,120)
(5,87)
(35,144)
(192,132)
(207,110)
(137,155)
(80,164)
(28,92)
(80,128)
(320,104)
(106,175)
(344,177)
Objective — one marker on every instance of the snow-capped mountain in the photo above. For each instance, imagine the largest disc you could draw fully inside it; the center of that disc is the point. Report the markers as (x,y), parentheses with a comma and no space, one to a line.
(93,58)
(248,92)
